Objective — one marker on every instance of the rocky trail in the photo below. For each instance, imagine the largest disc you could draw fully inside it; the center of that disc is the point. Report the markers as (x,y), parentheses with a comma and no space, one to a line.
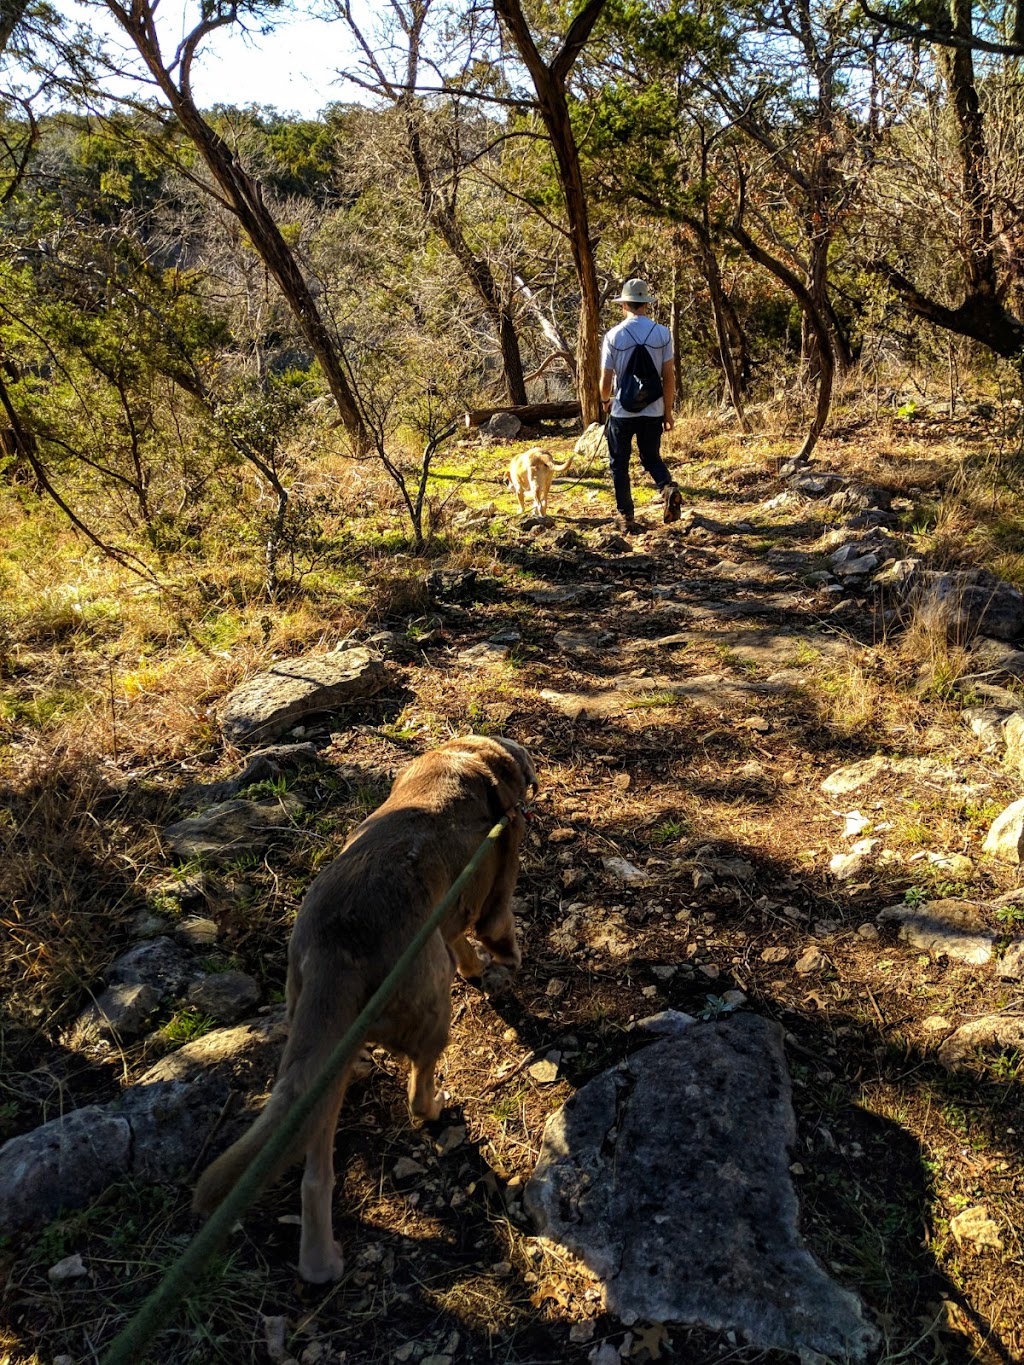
(761,822)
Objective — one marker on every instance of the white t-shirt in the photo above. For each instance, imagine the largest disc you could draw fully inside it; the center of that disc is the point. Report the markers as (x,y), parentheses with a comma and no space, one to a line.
(618,346)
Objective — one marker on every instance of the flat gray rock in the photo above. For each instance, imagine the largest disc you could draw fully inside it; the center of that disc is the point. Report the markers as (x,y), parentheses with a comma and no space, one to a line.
(271,703)
(233,827)
(842,781)
(156,962)
(859,497)
(947,928)
(486,654)
(996,659)
(713,691)
(992,1032)
(153,1131)
(121,1011)
(776,650)
(818,485)
(225,996)
(669,1176)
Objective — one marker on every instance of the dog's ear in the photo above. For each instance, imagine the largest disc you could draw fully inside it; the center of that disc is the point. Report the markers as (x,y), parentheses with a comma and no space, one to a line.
(525,763)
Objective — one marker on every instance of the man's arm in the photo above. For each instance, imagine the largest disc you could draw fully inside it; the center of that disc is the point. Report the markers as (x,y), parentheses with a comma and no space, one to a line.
(668,384)
(607,385)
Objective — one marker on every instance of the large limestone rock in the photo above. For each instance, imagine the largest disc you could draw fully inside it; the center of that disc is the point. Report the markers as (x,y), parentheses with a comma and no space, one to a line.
(996,659)
(669,1176)
(968,602)
(233,827)
(843,781)
(153,1131)
(225,996)
(503,426)
(591,443)
(155,970)
(990,1033)
(1005,839)
(947,928)
(270,703)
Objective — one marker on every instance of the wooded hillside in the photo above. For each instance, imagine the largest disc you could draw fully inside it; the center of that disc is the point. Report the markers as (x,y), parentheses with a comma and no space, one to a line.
(261,380)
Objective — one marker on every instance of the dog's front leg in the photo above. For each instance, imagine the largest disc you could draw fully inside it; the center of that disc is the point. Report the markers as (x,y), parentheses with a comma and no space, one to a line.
(425,1103)
(320,1257)
(496,923)
(468,962)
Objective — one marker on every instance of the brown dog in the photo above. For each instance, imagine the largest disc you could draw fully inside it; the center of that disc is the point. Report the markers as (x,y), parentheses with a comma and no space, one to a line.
(531,473)
(356,918)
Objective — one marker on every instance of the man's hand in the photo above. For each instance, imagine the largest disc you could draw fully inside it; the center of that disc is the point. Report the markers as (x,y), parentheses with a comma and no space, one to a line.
(668,422)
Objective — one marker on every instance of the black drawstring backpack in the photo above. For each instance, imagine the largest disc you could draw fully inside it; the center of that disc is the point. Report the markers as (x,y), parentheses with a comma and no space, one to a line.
(640,384)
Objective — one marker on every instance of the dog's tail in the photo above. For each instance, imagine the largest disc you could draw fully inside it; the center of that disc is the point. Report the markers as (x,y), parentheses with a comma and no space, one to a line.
(561,468)
(316,1026)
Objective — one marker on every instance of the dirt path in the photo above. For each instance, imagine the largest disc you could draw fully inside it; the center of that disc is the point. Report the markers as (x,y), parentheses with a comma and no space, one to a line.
(685,694)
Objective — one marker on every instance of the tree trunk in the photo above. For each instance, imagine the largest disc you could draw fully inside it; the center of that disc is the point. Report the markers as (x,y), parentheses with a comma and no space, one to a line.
(550,84)
(11,14)
(982,315)
(826,356)
(713,278)
(244,198)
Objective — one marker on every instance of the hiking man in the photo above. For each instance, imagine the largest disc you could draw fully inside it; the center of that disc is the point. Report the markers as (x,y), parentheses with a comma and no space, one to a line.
(638,368)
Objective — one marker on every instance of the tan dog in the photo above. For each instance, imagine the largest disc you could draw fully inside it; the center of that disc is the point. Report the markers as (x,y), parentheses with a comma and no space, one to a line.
(356,918)
(531,473)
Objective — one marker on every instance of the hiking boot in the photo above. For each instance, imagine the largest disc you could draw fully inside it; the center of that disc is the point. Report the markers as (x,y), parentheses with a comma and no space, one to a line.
(625,521)
(673,503)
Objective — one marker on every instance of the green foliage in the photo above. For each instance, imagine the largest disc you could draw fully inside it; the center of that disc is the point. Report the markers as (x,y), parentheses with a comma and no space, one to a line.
(187,1025)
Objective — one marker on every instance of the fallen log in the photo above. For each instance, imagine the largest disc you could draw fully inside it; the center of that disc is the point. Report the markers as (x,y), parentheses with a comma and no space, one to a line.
(526,412)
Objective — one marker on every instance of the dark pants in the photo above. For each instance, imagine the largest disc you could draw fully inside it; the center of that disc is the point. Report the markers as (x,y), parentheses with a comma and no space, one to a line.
(647,431)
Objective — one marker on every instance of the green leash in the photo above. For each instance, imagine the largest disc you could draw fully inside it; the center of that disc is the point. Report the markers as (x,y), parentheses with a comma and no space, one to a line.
(130,1346)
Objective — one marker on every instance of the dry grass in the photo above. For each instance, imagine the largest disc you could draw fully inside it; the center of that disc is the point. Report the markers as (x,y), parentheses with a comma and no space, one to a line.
(892,1146)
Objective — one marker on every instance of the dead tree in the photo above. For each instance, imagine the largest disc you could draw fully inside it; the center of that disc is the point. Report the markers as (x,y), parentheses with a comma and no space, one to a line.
(439,201)
(550,80)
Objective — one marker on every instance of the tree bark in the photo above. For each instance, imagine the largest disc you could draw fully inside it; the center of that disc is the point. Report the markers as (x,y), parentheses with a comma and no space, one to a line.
(11,14)
(550,84)
(720,309)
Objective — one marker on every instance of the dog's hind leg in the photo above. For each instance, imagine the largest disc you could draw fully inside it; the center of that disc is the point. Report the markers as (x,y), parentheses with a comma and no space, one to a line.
(320,1257)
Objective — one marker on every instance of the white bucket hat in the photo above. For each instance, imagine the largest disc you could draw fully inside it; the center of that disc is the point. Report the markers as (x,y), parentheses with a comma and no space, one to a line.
(635,291)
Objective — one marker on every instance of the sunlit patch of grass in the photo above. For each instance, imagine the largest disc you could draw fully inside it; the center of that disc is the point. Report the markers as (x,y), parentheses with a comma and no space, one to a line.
(912,830)
(186,1025)
(669,830)
(43,710)
(854,699)
(652,699)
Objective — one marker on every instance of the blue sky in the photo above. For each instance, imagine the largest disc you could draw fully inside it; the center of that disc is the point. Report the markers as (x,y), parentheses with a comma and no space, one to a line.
(294,68)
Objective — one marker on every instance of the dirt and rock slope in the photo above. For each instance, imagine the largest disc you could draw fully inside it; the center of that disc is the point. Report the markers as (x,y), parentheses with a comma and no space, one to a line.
(767,781)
